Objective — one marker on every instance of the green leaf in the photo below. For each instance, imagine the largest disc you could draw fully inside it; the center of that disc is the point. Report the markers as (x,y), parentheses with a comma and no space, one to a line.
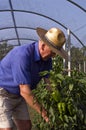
(60,76)
(71,87)
(44,73)
(82,81)
(66,118)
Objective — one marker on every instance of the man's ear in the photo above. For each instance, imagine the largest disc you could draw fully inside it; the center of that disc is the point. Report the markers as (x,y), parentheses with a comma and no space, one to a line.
(43,46)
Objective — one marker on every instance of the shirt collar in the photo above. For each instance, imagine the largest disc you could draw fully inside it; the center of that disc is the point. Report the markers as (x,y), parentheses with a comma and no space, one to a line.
(36,53)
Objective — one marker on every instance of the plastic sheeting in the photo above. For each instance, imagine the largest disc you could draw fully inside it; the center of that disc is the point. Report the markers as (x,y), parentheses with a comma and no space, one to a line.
(19,19)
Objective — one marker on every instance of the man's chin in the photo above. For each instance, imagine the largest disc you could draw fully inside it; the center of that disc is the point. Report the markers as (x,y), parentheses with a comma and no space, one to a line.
(45,58)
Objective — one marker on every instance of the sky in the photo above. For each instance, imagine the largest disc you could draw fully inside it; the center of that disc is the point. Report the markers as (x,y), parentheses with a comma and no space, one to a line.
(45,14)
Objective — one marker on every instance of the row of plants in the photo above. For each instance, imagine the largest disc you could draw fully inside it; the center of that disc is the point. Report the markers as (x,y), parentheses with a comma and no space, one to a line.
(65,102)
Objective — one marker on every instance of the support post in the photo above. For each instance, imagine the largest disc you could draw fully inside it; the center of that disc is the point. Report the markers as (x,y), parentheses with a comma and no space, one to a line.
(69,52)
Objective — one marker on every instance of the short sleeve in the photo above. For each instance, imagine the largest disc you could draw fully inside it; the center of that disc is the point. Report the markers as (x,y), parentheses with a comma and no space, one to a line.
(21,70)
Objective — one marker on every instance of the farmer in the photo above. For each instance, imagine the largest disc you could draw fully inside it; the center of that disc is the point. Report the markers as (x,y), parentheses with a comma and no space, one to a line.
(19,75)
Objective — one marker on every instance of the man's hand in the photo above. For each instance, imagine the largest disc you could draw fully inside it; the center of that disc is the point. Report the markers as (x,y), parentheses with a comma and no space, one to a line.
(44,115)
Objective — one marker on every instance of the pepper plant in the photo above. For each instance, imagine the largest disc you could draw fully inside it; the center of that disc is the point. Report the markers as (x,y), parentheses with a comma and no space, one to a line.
(65,102)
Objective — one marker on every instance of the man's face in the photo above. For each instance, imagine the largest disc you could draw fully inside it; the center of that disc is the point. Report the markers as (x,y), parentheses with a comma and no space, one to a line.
(47,52)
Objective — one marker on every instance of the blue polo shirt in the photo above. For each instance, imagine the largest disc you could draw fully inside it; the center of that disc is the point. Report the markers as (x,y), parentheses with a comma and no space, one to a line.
(22,65)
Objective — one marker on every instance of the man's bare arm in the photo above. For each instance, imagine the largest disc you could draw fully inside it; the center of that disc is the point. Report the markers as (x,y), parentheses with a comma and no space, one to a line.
(26,93)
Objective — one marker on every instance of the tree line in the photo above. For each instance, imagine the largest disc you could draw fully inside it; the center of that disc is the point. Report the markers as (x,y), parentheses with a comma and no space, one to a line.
(78,55)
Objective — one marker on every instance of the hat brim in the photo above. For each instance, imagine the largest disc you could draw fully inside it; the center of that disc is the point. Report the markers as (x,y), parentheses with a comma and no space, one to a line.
(61,52)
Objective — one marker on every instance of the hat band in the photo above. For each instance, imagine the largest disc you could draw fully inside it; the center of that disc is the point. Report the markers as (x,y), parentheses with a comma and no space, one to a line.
(52,44)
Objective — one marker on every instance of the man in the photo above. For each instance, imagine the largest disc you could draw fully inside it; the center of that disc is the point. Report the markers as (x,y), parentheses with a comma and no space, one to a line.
(19,75)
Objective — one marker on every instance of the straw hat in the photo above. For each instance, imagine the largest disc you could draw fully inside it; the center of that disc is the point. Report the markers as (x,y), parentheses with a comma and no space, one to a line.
(55,39)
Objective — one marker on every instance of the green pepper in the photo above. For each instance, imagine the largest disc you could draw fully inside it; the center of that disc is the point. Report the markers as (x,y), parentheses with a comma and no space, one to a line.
(70,109)
(56,95)
(62,107)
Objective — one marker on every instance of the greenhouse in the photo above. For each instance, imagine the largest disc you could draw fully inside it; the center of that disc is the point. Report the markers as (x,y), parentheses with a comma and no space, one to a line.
(18,22)
(18,27)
